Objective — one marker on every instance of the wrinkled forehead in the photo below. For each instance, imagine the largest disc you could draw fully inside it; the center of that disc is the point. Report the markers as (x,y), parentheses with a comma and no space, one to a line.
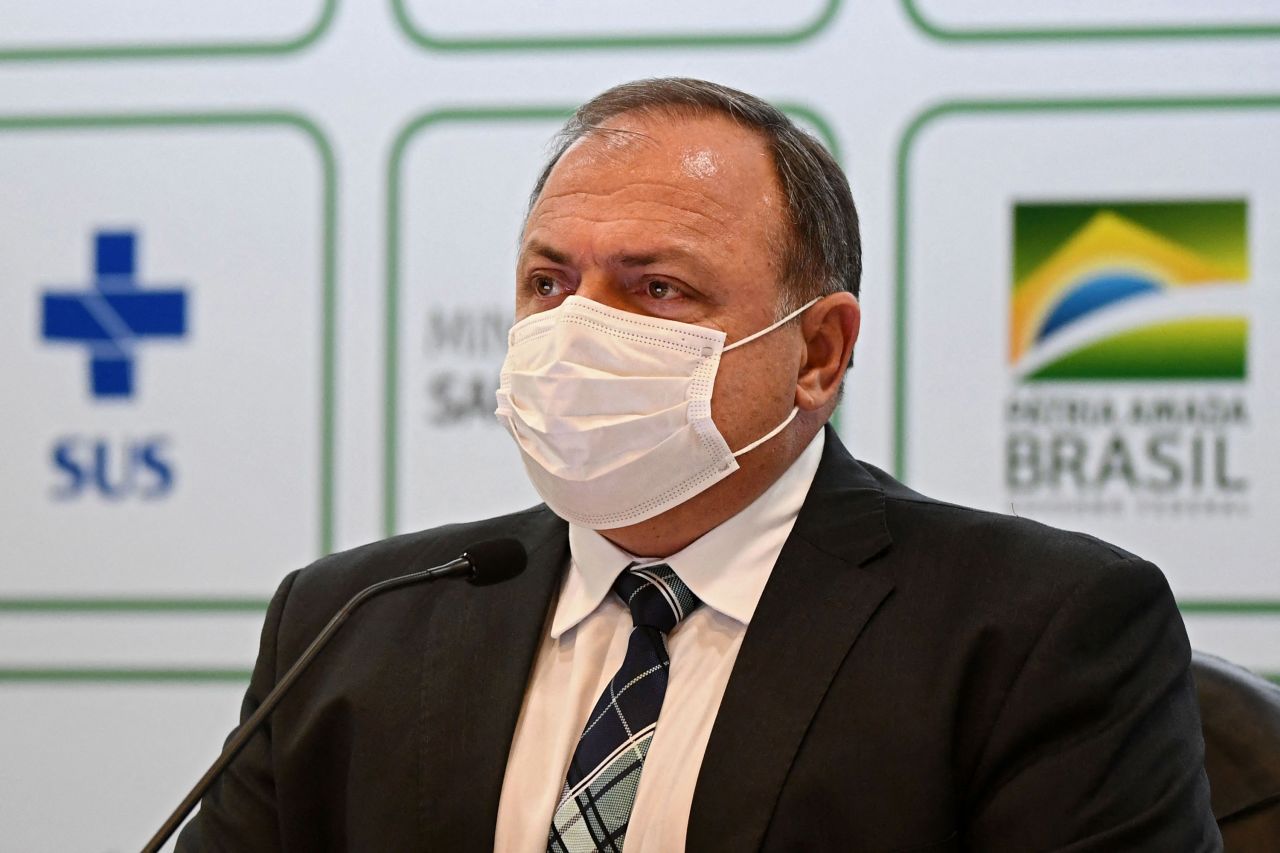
(700,145)
(707,156)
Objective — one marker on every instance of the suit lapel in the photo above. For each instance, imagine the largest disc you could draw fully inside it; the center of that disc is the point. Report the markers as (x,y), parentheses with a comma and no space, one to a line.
(816,603)
(476,665)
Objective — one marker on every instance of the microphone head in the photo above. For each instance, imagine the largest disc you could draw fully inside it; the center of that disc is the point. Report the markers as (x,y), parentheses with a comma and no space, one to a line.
(495,560)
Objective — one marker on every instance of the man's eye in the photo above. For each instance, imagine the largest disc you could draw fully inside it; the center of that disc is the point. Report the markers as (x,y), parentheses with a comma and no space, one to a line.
(544,286)
(660,290)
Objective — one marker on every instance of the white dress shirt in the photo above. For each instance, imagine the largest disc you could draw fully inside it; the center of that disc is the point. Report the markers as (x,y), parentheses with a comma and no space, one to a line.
(727,569)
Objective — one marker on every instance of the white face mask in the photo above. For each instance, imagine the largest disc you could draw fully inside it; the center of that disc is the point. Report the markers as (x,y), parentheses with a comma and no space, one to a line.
(612,410)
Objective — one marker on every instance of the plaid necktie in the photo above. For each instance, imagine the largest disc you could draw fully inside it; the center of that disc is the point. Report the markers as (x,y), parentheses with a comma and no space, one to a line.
(600,788)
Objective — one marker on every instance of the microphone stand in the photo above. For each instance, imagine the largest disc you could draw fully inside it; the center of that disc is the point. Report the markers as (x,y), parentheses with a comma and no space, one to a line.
(461,566)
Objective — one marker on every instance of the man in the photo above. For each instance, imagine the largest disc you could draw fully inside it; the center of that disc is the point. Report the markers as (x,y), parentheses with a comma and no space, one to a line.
(809,655)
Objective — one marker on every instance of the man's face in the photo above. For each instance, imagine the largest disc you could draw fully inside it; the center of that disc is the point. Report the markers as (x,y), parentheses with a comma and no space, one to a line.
(680,218)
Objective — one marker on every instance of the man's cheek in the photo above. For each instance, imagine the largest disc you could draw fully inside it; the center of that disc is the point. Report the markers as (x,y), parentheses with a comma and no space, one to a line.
(748,395)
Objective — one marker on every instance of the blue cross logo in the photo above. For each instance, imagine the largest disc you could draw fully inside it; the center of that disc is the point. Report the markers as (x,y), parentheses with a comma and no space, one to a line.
(112,317)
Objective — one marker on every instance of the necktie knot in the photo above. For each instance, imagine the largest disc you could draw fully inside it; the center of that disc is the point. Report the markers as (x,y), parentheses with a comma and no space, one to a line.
(656,597)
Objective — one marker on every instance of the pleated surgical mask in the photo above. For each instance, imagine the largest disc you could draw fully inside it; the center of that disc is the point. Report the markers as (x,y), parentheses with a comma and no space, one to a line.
(611,410)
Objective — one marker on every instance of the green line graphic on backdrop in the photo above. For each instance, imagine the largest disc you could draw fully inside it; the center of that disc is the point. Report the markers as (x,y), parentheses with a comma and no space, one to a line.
(391,315)
(186,50)
(240,675)
(101,604)
(1060,33)
(613,41)
(138,675)
(132,675)
(68,606)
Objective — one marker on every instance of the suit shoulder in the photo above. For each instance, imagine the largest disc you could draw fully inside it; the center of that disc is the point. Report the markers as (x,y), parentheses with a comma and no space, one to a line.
(961,525)
(976,545)
(328,582)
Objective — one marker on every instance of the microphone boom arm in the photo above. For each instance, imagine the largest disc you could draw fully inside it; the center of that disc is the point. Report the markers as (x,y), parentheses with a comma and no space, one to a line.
(461,566)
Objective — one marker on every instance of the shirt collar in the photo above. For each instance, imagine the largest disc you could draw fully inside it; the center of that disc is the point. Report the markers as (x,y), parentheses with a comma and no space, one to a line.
(727,567)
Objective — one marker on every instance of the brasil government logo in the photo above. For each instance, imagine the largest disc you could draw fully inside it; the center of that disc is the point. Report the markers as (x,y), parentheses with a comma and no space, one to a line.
(1129,291)
(1128,348)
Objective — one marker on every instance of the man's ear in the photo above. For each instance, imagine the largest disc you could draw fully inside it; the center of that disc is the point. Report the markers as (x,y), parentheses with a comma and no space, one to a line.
(830,329)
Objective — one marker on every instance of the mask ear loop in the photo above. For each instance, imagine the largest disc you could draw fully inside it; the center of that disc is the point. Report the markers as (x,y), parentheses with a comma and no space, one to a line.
(796,313)
(795,410)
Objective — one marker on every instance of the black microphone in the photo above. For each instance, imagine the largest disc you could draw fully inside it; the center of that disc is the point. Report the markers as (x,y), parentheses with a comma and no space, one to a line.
(484,563)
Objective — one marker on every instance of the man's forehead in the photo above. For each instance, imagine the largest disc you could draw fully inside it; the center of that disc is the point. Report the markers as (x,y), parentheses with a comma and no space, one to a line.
(704,161)
(701,147)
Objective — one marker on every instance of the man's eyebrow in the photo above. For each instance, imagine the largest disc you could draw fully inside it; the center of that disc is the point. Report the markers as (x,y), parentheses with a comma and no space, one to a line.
(625,259)
(644,259)
(551,253)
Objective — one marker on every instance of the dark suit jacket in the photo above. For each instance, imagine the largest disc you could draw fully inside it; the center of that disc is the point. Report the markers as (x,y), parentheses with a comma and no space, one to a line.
(917,676)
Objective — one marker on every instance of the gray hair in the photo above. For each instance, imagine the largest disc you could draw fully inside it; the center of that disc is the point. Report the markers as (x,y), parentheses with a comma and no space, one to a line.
(823,252)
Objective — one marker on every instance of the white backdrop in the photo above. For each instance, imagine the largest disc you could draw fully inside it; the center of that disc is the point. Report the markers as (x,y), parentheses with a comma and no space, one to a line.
(334,188)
